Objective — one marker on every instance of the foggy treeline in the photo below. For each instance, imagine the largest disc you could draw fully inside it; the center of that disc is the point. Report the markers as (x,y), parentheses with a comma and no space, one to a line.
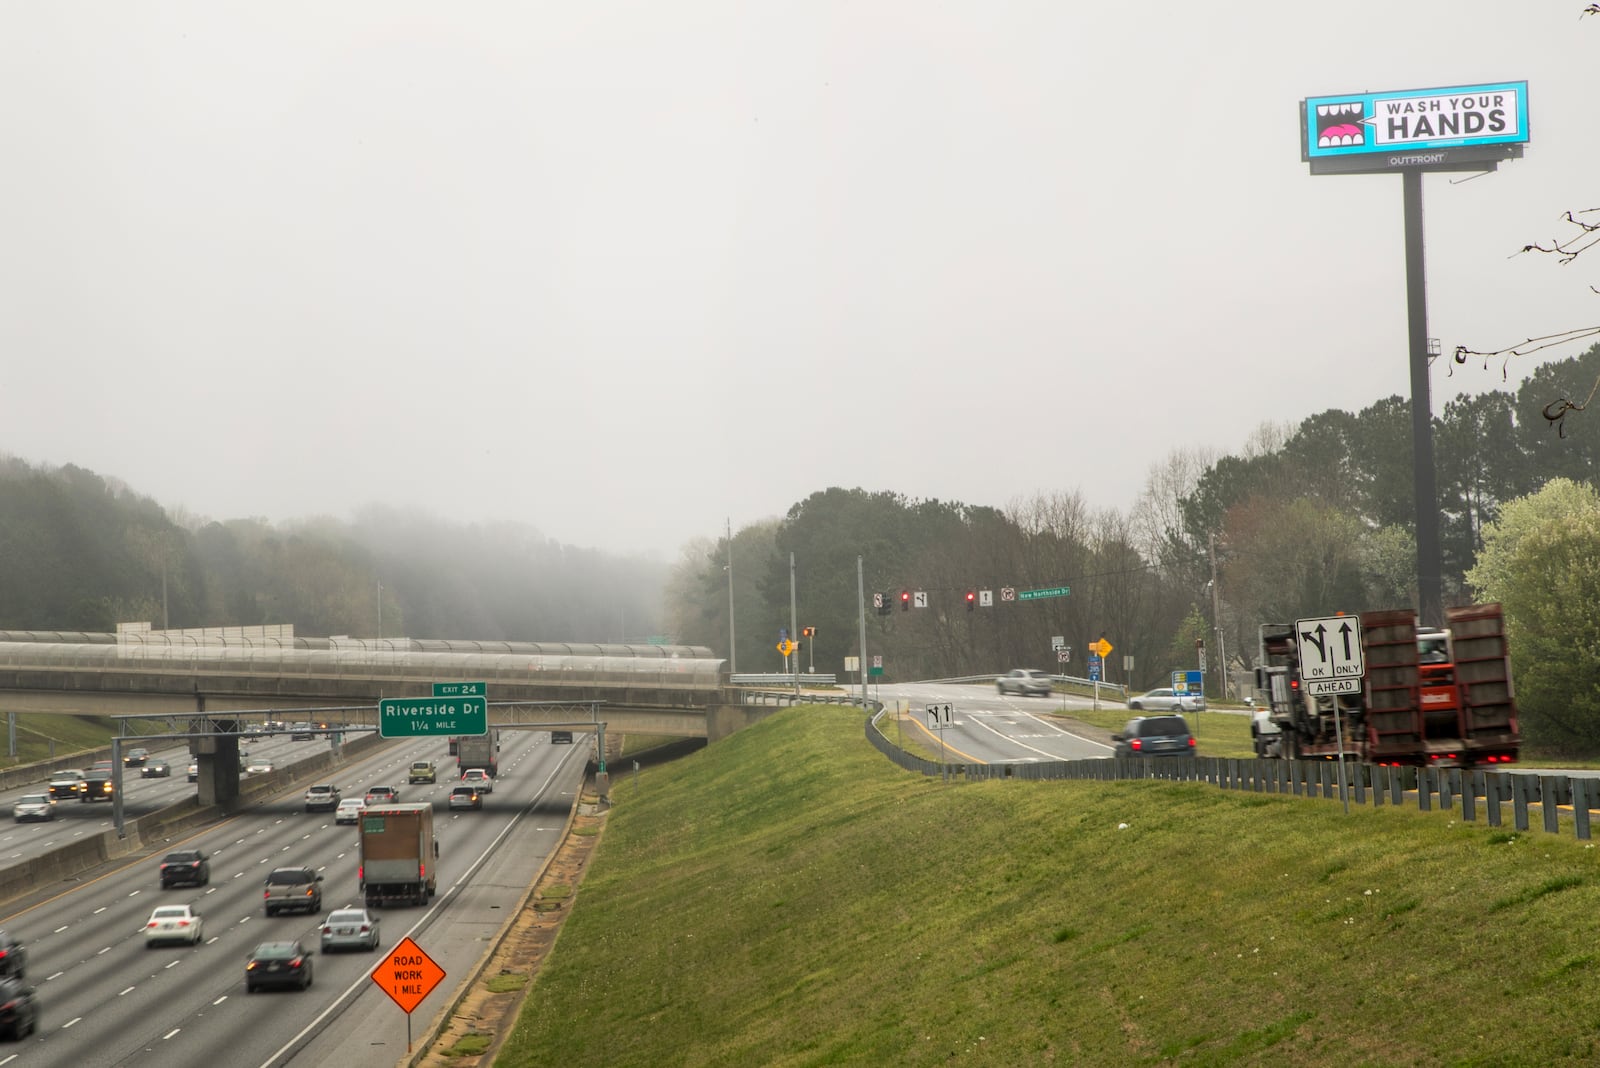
(1307,520)
(80,552)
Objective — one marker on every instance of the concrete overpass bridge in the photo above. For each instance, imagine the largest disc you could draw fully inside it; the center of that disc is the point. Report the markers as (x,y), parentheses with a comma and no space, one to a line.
(672,690)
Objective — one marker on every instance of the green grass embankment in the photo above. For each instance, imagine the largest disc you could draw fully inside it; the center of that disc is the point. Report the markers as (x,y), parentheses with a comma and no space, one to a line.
(38,733)
(788,897)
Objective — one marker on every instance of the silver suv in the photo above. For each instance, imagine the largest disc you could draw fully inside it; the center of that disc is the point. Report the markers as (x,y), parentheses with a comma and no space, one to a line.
(1025,681)
(324,796)
(293,890)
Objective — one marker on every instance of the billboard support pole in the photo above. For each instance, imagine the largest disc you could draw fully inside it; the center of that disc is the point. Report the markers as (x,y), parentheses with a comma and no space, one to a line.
(1430,563)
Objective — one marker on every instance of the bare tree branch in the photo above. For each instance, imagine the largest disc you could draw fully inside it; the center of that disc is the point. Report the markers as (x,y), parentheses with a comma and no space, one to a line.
(1587,237)
(1556,411)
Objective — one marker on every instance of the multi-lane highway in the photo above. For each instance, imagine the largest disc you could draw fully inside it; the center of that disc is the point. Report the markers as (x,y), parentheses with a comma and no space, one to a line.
(107,999)
(76,819)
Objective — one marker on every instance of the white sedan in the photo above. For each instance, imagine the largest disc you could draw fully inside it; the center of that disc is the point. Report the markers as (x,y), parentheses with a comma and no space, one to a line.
(349,810)
(479,778)
(1167,699)
(172,923)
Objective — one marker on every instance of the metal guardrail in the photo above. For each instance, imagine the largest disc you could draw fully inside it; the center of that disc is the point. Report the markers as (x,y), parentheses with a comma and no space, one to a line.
(789,697)
(1116,689)
(782,679)
(1458,791)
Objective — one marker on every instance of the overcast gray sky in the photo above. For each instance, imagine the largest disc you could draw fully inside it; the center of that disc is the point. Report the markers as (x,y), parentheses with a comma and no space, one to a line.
(626,270)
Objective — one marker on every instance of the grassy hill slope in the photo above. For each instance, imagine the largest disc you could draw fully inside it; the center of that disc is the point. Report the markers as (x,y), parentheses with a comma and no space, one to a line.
(787,897)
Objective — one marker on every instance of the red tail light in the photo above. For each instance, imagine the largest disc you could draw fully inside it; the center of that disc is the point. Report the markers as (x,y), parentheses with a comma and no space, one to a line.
(329,930)
(1136,744)
(361,872)
(266,893)
(1191,741)
(296,962)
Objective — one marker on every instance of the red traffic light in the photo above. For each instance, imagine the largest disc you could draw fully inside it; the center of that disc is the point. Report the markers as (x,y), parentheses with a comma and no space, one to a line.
(972,599)
(905,600)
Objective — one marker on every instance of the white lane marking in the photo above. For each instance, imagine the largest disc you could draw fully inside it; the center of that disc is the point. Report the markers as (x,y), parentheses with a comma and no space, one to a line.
(170,1033)
(57,975)
(70,1022)
(63,927)
(129,990)
(170,964)
(105,950)
(99,910)
(220,1000)
(212,890)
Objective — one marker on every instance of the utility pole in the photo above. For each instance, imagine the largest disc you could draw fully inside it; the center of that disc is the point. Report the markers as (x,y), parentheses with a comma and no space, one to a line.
(1216,616)
(793,627)
(861,611)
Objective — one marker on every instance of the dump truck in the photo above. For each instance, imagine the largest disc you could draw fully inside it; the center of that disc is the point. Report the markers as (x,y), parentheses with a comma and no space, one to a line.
(478,751)
(1437,697)
(398,855)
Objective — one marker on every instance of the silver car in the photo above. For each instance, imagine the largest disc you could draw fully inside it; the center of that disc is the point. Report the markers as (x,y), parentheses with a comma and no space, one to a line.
(1025,681)
(1167,700)
(349,929)
(34,807)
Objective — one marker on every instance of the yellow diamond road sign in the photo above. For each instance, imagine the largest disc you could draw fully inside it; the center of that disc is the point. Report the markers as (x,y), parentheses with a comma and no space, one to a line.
(786,647)
(1102,647)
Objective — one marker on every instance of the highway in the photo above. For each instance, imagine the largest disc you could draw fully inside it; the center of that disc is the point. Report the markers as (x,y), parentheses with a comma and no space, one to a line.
(106,999)
(997,728)
(75,819)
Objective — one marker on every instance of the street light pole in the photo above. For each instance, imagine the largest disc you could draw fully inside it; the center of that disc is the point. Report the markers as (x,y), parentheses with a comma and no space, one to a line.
(733,655)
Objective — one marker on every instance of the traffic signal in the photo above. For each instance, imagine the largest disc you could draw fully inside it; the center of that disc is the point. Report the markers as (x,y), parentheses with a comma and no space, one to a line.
(972,599)
(905,600)
(883,602)
(809,632)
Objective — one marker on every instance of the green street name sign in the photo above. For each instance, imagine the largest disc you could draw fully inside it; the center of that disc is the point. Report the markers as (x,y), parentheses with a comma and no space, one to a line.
(460,689)
(1039,595)
(422,716)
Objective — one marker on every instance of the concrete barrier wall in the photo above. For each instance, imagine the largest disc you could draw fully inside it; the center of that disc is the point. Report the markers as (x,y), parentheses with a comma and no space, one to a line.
(41,770)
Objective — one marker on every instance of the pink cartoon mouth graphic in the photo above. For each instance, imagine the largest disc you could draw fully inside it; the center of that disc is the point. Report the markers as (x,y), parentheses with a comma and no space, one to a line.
(1338,125)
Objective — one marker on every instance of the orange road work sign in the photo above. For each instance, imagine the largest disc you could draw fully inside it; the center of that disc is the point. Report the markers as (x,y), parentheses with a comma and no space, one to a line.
(408,975)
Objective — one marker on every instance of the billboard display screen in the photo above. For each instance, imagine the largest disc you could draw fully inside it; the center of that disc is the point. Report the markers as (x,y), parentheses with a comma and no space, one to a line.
(1414,120)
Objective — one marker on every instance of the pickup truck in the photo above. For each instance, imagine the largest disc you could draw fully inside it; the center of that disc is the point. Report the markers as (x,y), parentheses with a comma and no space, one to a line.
(67,784)
(98,785)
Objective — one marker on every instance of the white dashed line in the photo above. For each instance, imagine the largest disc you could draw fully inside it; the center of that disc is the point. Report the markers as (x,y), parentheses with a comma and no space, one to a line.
(127,991)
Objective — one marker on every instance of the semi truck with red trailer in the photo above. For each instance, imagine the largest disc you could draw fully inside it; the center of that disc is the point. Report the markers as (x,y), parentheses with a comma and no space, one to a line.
(1429,696)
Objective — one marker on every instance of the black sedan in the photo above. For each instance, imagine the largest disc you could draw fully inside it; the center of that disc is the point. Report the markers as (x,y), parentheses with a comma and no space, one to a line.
(19,1012)
(277,964)
(155,768)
